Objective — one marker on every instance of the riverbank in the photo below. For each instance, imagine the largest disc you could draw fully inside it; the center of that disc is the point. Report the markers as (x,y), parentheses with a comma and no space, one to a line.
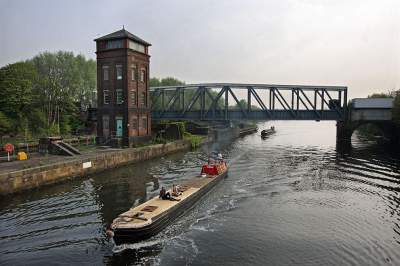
(19,176)
(246,131)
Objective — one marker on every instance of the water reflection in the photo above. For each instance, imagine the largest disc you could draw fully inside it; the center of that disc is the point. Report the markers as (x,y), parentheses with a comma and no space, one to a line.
(121,188)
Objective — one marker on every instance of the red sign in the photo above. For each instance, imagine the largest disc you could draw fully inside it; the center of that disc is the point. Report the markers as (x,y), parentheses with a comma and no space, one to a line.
(8,147)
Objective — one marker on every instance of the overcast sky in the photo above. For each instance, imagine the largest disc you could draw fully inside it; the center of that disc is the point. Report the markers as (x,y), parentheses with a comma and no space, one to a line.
(355,43)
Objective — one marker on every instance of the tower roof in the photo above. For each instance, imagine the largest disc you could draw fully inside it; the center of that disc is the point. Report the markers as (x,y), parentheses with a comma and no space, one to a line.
(120,34)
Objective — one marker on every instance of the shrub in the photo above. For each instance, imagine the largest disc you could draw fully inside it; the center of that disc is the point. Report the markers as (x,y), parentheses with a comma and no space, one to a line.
(195,140)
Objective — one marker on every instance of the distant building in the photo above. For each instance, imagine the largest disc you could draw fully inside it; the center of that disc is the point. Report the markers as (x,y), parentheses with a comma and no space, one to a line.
(123,104)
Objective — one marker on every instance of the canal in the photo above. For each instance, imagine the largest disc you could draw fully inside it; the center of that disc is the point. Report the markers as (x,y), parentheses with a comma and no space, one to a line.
(294,198)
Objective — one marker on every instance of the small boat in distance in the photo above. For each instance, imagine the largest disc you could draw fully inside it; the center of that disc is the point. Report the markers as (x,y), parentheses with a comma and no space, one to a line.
(151,217)
(266,132)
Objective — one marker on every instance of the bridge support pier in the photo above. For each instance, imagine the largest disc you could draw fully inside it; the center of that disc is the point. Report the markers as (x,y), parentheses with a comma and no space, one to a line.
(343,131)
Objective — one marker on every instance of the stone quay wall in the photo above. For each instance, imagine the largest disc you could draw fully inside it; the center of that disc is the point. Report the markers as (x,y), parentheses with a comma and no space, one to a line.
(24,179)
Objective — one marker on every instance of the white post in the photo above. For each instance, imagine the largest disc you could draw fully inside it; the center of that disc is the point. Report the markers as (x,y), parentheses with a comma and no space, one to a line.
(8,156)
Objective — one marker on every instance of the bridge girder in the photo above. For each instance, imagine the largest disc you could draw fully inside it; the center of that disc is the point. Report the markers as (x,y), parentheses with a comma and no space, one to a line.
(210,101)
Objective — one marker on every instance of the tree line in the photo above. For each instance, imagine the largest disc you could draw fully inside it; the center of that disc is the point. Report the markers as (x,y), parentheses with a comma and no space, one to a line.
(170,81)
(44,95)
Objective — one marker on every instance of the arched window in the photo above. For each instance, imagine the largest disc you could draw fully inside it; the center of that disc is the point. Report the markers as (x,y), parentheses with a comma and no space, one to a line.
(142,75)
(133,98)
(106,96)
(133,72)
(118,71)
(143,99)
(119,96)
(144,122)
(134,123)
(105,72)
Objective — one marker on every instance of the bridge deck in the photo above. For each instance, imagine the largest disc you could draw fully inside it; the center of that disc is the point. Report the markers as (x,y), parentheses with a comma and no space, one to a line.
(253,115)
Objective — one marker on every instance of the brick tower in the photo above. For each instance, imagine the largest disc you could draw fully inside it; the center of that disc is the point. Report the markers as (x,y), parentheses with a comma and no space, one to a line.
(123,112)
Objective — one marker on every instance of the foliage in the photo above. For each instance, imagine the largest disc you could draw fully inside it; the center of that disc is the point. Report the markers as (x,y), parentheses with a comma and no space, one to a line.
(380,95)
(369,130)
(243,104)
(64,80)
(154,82)
(38,123)
(45,95)
(195,140)
(168,81)
(188,95)
(5,124)
(181,126)
(17,97)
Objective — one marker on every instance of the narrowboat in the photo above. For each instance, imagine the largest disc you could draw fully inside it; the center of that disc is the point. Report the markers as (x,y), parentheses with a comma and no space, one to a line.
(151,217)
(266,132)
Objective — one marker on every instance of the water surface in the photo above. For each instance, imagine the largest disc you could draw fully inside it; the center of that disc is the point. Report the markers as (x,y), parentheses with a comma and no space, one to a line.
(294,198)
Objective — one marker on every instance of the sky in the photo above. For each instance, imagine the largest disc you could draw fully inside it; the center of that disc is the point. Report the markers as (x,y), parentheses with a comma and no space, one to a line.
(353,43)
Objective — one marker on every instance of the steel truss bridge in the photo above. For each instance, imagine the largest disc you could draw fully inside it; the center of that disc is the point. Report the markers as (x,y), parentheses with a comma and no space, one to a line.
(230,101)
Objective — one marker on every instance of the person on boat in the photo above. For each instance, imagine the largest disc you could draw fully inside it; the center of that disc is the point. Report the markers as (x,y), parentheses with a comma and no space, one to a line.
(166,195)
(175,191)
(180,188)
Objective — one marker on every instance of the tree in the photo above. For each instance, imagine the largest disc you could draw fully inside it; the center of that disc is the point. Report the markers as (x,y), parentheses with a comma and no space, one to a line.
(17,83)
(5,125)
(380,95)
(86,80)
(86,76)
(155,82)
(243,104)
(64,80)
(170,81)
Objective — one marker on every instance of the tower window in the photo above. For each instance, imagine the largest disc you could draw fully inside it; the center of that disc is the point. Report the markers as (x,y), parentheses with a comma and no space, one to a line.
(134,123)
(143,99)
(142,75)
(133,72)
(106,125)
(119,71)
(113,44)
(106,96)
(144,122)
(119,96)
(133,98)
(105,72)
(136,46)
(106,122)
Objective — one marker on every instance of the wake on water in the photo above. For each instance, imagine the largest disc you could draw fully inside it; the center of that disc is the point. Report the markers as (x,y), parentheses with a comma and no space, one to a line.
(204,216)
